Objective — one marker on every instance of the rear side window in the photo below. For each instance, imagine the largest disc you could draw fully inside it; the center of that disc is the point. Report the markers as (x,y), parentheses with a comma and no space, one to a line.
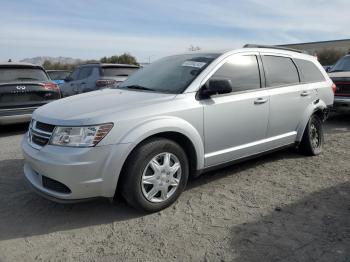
(243,71)
(117,71)
(84,72)
(280,71)
(13,74)
(309,72)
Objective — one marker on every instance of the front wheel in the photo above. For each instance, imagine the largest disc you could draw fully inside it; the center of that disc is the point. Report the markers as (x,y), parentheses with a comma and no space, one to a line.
(156,173)
(313,139)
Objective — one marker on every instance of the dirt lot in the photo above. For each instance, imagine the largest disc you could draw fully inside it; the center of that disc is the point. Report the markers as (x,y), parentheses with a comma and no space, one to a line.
(281,207)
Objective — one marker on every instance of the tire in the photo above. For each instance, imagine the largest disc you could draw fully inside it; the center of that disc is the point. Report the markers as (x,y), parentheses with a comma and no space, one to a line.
(142,176)
(313,138)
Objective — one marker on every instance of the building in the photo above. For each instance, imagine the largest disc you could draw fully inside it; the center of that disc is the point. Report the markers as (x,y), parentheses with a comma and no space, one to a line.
(314,47)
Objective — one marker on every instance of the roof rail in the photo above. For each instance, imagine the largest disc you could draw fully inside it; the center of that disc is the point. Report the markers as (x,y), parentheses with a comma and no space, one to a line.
(273,47)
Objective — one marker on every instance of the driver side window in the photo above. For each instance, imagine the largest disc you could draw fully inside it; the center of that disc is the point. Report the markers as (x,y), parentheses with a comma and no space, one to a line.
(74,74)
(242,70)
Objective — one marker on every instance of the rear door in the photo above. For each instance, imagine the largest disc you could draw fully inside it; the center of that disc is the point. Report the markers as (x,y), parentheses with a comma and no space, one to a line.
(285,91)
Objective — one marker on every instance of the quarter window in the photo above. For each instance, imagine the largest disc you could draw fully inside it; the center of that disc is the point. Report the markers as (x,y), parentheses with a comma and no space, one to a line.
(308,71)
(280,71)
(242,70)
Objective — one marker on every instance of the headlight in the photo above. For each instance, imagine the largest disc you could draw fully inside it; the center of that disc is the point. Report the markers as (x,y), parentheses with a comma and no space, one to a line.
(84,136)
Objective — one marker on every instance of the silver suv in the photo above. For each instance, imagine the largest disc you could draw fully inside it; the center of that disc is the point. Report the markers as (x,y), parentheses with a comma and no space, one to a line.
(180,116)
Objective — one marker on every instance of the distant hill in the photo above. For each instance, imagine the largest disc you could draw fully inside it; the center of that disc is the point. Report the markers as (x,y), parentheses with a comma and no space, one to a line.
(39,60)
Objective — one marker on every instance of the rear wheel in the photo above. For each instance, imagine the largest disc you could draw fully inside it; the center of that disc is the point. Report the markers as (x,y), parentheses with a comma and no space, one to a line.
(156,173)
(313,138)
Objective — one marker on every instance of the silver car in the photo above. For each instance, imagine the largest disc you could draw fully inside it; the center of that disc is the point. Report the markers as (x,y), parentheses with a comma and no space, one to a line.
(180,116)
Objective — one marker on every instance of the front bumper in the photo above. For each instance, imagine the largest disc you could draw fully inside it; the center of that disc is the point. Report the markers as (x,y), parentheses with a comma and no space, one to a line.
(341,103)
(87,172)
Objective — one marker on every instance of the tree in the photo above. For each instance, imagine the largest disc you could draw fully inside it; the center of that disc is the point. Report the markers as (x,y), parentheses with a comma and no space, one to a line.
(48,65)
(329,56)
(122,59)
(127,59)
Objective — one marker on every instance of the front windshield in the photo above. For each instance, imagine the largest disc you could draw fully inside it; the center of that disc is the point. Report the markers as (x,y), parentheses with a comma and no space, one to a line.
(342,65)
(171,74)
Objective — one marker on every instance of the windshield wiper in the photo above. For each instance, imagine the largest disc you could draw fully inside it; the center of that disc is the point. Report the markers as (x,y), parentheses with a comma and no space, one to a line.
(138,87)
(332,71)
(26,78)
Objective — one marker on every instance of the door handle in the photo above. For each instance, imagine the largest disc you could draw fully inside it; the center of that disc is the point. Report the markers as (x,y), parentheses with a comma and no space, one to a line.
(260,101)
(83,83)
(305,93)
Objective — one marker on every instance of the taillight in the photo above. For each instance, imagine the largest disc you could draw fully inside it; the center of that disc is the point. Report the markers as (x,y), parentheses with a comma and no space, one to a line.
(52,86)
(102,83)
(334,88)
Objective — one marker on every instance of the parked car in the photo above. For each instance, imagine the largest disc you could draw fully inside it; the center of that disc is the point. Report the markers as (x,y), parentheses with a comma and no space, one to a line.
(179,116)
(91,77)
(340,74)
(23,88)
(58,76)
(327,68)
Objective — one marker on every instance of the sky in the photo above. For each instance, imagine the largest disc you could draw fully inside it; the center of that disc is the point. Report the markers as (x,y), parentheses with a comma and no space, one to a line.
(150,29)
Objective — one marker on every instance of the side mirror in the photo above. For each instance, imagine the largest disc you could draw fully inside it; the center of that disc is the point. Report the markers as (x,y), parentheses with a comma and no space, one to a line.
(68,79)
(216,87)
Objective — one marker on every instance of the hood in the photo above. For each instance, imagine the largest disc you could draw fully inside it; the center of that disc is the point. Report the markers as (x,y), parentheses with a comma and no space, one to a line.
(90,107)
(339,74)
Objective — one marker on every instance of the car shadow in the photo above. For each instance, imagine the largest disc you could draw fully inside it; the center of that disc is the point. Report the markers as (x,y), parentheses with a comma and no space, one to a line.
(316,228)
(11,130)
(208,177)
(337,123)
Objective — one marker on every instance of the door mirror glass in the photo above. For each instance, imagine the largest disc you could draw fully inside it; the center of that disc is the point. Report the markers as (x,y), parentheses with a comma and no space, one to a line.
(217,86)
(68,79)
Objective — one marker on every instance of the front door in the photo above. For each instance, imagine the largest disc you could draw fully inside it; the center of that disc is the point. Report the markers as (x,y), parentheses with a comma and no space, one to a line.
(235,124)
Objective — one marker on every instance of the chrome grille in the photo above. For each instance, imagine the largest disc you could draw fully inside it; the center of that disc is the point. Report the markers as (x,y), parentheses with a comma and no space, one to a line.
(39,133)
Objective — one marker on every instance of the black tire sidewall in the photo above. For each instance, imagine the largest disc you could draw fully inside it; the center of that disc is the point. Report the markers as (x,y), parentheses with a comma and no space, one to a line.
(142,155)
(307,143)
(318,124)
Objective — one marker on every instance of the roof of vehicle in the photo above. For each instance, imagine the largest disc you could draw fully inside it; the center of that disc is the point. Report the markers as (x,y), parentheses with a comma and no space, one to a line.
(49,71)
(111,65)
(19,64)
(257,48)
(262,50)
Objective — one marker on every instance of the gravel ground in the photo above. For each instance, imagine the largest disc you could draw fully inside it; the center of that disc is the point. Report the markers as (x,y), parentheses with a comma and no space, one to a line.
(280,207)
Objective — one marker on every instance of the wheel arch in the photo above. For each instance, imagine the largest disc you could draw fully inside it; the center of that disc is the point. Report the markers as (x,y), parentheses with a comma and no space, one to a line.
(319,109)
(176,130)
